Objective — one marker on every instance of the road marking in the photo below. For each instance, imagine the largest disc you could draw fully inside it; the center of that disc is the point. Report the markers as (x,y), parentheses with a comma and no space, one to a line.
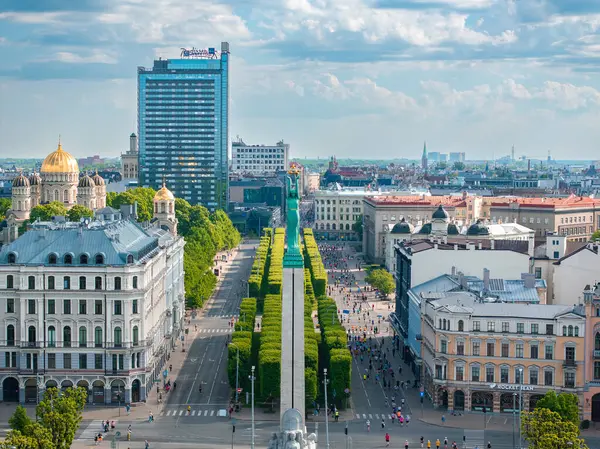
(169,412)
(181,413)
(377,416)
(357,416)
(370,416)
(215,378)
(205,412)
(193,412)
(212,412)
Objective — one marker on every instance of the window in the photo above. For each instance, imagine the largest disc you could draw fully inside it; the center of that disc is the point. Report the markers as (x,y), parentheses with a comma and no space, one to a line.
(504,374)
(556,255)
(569,379)
(31,282)
(118,307)
(476,348)
(489,374)
(51,283)
(135,282)
(443,346)
(533,376)
(82,361)
(67,307)
(138,358)
(97,361)
(460,347)
(519,350)
(538,272)
(535,329)
(564,331)
(67,283)
(82,283)
(129,258)
(533,351)
(490,349)
(12,258)
(82,337)
(51,361)
(475,373)
(68,259)
(570,355)
(83,259)
(51,307)
(596,370)
(82,307)
(136,336)
(51,337)
(67,361)
(476,325)
(134,306)
(505,349)
(10,305)
(31,335)
(548,377)
(52,259)
(67,336)
(31,306)
(549,352)
(460,373)
(577,331)
(98,283)
(98,307)
(118,340)
(520,328)
(491,326)
(98,337)
(461,326)
(570,331)
(99,259)
(117,283)
(10,335)
(10,281)
(505,327)
(549,329)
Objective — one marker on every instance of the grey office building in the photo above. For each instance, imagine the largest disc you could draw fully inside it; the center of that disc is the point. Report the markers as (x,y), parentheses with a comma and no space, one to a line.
(183,122)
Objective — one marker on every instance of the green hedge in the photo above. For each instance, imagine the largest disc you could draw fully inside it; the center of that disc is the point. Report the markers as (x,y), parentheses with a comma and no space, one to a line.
(255,280)
(310,386)
(340,365)
(269,354)
(247,316)
(313,260)
(275,278)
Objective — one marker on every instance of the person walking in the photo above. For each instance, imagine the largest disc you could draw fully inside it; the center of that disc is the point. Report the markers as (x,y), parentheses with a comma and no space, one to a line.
(421,441)
(387,439)
(383,423)
(405,444)
(437,443)
(428,444)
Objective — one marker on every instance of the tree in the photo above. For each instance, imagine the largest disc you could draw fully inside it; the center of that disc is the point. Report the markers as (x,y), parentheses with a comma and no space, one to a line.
(357,226)
(565,404)
(45,212)
(5,204)
(61,414)
(596,235)
(78,212)
(458,166)
(19,419)
(382,280)
(545,429)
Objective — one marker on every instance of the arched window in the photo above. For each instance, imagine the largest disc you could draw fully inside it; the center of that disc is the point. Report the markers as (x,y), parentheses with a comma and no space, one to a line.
(170,208)
(67,336)
(155,208)
(56,197)
(597,342)
(564,331)
(82,337)
(51,283)
(135,282)
(51,337)
(118,337)
(66,196)
(31,282)
(440,324)
(570,331)
(68,259)
(333,226)
(20,206)
(99,259)
(98,337)
(129,258)
(10,281)
(83,259)
(162,208)
(82,283)
(461,326)
(136,336)
(12,258)
(577,331)
(117,283)
(31,335)
(444,321)
(98,283)
(10,335)
(52,259)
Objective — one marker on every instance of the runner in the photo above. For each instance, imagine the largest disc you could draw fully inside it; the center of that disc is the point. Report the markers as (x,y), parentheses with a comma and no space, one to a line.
(387,439)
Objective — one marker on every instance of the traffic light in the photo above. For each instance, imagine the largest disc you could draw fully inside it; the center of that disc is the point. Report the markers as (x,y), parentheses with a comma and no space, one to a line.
(233,429)
(346,430)
(421,399)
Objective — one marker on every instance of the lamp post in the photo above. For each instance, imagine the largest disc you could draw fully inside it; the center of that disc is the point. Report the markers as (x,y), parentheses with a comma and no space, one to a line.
(237,372)
(252,378)
(325,381)
(522,381)
(514,444)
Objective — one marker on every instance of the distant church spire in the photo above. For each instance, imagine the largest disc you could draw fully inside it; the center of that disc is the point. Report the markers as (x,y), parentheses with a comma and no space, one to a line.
(424,161)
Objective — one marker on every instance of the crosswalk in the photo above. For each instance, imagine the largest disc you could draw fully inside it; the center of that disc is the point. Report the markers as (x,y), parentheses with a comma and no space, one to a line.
(215,331)
(92,429)
(385,416)
(197,413)
(474,438)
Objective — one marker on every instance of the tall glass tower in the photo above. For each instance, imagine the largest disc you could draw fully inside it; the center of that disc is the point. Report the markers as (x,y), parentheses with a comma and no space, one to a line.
(183,118)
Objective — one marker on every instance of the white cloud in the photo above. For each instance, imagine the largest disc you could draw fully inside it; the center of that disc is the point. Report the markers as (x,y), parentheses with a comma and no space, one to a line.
(33,17)
(567,96)
(96,56)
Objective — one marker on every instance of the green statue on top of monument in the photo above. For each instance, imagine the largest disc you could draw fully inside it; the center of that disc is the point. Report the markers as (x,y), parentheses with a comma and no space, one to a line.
(293,255)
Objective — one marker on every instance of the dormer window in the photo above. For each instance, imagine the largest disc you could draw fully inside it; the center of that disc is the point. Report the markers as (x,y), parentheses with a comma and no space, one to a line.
(12,258)
(83,259)
(52,259)
(68,259)
(99,259)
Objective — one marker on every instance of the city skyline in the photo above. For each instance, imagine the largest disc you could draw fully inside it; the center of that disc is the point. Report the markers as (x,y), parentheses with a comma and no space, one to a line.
(329,77)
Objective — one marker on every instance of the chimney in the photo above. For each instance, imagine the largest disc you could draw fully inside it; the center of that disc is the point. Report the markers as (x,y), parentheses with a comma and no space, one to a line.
(463,282)
(492,244)
(486,279)
(480,245)
(453,270)
(461,277)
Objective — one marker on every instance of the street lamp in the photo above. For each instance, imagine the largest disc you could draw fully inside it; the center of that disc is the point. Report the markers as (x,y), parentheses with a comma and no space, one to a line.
(237,372)
(522,381)
(252,379)
(325,381)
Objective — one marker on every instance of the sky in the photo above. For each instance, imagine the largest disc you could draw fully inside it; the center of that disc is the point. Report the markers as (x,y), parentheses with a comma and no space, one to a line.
(351,78)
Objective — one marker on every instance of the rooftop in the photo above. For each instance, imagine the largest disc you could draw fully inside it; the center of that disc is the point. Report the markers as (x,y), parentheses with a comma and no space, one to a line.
(547,202)
(396,200)
(462,244)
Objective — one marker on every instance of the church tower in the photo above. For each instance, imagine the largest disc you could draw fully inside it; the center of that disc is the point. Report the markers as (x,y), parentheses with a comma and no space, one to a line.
(86,192)
(21,197)
(164,209)
(35,181)
(424,164)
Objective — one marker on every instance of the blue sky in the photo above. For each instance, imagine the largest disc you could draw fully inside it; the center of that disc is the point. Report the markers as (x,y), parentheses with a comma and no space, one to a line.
(354,78)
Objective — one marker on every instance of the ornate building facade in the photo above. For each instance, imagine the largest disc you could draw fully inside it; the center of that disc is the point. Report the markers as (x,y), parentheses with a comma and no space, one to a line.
(58,180)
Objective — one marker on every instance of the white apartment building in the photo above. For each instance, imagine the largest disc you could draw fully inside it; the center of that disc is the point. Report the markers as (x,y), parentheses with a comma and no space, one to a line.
(98,305)
(259,159)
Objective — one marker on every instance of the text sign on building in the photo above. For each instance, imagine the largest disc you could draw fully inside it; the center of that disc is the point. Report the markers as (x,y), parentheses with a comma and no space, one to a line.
(199,53)
(512,387)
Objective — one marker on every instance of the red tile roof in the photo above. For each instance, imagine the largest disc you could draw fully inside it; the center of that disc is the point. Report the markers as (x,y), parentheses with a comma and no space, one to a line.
(414,200)
(545,202)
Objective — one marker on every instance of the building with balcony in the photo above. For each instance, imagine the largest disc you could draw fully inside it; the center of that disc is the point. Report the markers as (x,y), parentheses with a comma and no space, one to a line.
(95,304)
(477,354)
(591,395)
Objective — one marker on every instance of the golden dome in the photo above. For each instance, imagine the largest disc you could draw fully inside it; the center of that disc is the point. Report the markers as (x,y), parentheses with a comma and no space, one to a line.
(163,194)
(59,162)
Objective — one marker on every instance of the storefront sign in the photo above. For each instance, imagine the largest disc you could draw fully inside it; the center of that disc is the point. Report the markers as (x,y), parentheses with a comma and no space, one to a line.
(512,387)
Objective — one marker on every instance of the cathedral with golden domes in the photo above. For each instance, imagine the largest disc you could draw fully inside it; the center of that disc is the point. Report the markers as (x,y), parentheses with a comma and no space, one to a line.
(58,180)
